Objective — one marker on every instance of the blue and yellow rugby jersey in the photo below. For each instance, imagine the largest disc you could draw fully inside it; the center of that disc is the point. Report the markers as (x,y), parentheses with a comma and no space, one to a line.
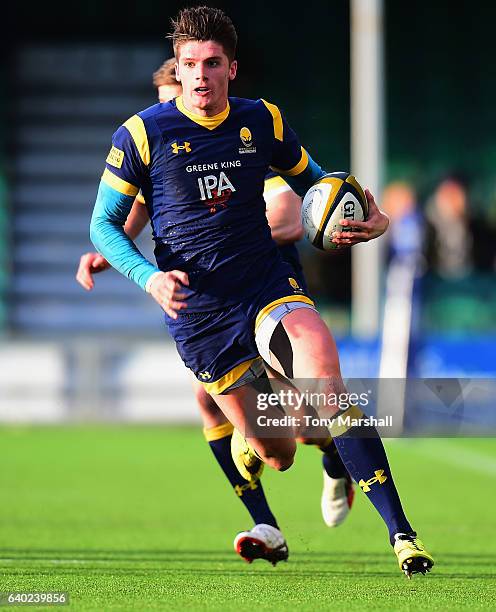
(205,194)
(274,186)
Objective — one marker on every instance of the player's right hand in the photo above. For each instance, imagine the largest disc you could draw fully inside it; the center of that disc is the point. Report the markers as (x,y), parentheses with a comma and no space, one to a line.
(376,224)
(165,289)
(89,264)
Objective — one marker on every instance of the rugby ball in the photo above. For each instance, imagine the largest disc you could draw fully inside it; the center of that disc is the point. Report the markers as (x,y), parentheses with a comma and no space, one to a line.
(335,196)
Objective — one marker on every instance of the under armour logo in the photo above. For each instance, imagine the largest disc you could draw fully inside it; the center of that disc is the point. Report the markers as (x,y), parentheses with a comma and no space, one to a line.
(366,484)
(240,489)
(176,148)
(204,375)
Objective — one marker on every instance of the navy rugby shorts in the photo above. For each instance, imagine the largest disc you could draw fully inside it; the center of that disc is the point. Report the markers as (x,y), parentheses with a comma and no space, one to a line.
(219,346)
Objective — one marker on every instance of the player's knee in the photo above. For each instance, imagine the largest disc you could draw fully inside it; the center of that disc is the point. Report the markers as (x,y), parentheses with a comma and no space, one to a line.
(279,455)
(284,464)
(280,463)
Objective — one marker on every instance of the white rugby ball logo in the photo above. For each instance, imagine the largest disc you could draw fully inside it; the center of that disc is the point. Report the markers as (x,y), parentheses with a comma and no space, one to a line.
(346,210)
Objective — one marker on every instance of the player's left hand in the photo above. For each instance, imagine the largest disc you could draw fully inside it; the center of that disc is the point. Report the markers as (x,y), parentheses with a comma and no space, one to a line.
(376,224)
(90,264)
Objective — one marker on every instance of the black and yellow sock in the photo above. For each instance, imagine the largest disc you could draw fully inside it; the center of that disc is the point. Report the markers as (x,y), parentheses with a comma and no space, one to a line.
(251,493)
(331,461)
(363,455)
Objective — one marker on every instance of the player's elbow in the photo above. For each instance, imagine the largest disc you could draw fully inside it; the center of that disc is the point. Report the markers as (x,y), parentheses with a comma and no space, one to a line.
(288,233)
(95,233)
(98,232)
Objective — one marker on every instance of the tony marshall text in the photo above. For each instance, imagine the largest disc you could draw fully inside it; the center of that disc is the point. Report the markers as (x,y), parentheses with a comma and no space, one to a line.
(310,421)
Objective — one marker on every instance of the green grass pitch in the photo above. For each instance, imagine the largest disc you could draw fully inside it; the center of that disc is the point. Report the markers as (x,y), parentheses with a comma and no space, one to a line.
(140,518)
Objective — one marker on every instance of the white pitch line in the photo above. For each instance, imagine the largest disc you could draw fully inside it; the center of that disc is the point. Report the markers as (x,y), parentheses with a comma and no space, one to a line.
(31,560)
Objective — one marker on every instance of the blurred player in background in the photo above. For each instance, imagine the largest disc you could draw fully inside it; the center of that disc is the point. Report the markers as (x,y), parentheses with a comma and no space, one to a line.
(283,214)
(200,161)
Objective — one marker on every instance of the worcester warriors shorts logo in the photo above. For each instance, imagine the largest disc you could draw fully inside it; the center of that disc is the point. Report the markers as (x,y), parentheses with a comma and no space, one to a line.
(247,140)
(294,284)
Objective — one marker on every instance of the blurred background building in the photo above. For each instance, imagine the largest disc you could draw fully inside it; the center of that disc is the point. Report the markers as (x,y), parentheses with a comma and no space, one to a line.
(72,76)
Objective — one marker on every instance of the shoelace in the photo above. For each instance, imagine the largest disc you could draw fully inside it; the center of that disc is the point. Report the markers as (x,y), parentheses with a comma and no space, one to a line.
(412,538)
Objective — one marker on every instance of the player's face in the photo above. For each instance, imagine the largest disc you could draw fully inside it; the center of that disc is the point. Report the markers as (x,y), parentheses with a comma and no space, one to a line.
(167,92)
(204,71)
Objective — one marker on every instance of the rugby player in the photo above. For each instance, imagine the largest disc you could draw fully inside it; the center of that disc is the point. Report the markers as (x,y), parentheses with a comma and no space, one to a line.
(283,213)
(200,162)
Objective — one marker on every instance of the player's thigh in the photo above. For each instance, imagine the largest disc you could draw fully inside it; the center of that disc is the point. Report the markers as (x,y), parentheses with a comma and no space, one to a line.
(275,445)
(315,354)
(307,349)
(210,413)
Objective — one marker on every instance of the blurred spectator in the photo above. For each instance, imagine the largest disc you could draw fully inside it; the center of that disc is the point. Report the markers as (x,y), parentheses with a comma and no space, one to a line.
(404,273)
(406,224)
(457,243)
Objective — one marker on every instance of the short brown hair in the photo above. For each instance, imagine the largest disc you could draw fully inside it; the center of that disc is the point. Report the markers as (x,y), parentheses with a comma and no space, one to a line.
(201,23)
(166,74)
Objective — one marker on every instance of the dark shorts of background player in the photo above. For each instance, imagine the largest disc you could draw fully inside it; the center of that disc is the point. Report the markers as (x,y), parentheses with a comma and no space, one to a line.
(219,346)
